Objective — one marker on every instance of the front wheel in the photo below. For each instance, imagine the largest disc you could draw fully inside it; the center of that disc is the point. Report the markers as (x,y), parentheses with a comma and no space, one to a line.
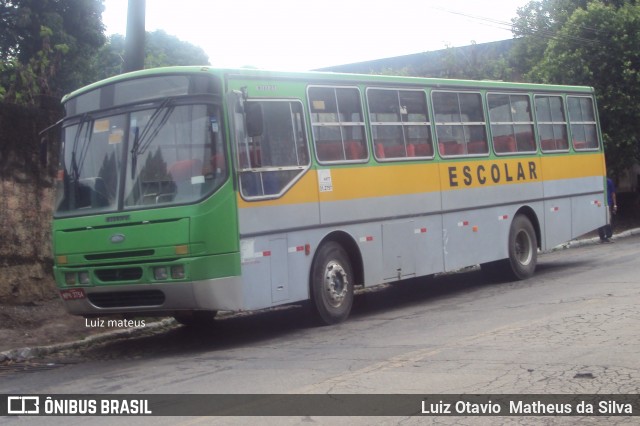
(332,284)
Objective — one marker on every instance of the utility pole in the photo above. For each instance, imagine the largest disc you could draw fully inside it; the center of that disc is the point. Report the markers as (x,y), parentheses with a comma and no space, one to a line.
(134,42)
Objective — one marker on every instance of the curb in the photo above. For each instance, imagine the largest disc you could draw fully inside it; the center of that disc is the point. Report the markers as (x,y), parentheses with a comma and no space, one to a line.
(594,240)
(27,353)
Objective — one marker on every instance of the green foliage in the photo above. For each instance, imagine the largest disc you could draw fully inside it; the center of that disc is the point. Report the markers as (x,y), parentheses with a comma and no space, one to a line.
(593,43)
(45,46)
(51,47)
(476,64)
(161,50)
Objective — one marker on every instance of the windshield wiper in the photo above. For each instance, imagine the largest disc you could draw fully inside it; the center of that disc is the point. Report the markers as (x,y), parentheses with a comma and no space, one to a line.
(75,169)
(134,152)
(142,139)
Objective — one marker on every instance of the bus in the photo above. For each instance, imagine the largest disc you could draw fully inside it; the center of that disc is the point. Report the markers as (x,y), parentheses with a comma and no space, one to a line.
(185,191)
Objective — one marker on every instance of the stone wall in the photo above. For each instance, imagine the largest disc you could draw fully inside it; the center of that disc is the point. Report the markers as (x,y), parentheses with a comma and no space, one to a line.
(26,200)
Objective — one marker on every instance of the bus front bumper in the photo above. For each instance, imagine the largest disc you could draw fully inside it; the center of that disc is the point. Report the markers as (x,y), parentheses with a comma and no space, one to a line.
(219,294)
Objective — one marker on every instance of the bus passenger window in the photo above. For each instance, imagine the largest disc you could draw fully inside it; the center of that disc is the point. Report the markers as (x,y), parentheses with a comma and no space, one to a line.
(272,159)
(460,125)
(338,124)
(511,123)
(552,124)
(399,123)
(583,123)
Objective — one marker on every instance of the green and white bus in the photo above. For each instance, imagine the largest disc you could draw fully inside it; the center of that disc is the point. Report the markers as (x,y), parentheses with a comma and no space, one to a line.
(191,190)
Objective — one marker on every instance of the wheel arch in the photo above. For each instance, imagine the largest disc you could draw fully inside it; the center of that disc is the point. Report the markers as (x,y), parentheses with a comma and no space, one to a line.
(530,214)
(353,251)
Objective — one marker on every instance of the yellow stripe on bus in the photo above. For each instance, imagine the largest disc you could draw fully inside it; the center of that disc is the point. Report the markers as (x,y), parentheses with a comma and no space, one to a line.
(505,171)
(349,183)
(573,166)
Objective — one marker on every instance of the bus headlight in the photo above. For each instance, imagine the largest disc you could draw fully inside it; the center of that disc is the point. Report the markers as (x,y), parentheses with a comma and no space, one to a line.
(70,278)
(177,272)
(160,273)
(83,277)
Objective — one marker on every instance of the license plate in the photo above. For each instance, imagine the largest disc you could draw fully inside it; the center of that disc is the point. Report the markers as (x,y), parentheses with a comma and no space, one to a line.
(72,294)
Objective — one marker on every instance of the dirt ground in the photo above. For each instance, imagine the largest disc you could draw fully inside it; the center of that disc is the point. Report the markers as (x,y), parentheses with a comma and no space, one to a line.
(46,322)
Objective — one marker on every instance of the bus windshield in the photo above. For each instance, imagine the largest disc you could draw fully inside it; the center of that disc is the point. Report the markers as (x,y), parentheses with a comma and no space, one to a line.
(167,155)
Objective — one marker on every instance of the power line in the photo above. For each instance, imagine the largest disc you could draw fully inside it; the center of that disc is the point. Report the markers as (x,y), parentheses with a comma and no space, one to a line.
(543,33)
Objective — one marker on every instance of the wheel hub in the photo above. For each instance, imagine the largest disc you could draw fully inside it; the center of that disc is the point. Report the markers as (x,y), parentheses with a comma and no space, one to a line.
(336,283)
(523,249)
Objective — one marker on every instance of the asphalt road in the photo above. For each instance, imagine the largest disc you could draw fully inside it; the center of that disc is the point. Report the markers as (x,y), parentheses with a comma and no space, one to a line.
(572,328)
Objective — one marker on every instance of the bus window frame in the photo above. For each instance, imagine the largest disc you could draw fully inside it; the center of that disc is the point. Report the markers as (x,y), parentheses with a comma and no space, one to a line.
(339,124)
(436,123)
(532,123)
(552,123)
(428,124)
(302,168)
(583,123)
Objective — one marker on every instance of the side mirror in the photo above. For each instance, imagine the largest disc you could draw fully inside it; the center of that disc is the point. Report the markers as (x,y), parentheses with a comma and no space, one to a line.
(255,119)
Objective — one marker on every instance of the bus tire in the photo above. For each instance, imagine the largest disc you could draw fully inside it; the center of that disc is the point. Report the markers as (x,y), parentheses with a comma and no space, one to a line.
(332,284)
(196,319)
(523,254)
(523,248)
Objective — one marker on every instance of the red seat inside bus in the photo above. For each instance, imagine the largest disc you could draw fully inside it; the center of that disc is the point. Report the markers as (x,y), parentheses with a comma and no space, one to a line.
(477,147)
(334,151)
(423,149)
(554,144)
(398,151)
(504,144)
(451,148)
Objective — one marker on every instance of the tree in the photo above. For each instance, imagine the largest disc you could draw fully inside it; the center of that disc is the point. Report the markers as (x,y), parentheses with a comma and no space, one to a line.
(538,22)
(480,62)
(489,61)
(161,49)
(45,46)
(593,43)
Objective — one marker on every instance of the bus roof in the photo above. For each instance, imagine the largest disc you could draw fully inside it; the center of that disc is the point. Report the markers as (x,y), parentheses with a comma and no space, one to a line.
(323,76)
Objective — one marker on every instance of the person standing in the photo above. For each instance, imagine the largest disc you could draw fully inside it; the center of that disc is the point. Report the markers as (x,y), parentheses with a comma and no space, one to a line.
(606,231)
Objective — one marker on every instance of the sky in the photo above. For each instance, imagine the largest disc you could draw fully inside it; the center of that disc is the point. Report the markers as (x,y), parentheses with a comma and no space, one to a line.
(299,35)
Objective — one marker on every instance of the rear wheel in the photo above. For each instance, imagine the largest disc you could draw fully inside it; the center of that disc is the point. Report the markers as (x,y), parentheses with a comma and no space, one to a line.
(523,248)
(332,284)
(523,253)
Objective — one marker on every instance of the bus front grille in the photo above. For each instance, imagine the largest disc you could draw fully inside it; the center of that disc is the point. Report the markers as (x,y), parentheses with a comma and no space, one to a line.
(124,299)
(119,274)
(119,254)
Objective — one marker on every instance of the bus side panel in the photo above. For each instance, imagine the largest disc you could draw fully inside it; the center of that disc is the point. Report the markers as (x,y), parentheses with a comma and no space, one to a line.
(427,233)
(474,236)
(399,249)
(574,193)
(569,217)
(297,208)
(557,222)
(588,213)
(257,266)
(479,210)
(407,247)
(359,196)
